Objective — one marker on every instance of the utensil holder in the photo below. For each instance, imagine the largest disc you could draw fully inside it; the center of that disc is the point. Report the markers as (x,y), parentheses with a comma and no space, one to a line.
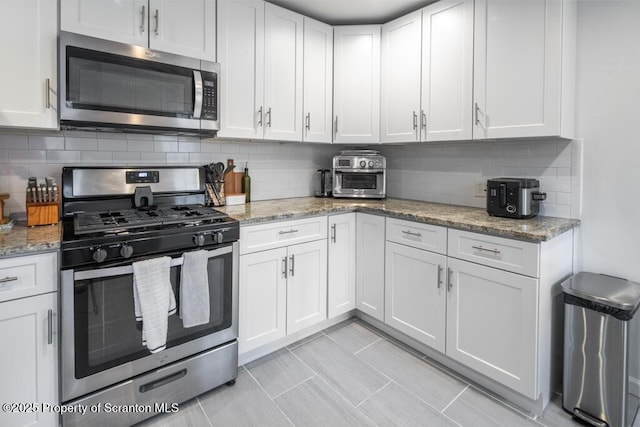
(46,213)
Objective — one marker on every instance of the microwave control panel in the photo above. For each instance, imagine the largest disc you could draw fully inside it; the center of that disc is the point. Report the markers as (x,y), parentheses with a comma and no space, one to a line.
(209,96)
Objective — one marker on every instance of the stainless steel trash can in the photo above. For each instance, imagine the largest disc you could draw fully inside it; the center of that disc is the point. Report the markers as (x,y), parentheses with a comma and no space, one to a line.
(601,349)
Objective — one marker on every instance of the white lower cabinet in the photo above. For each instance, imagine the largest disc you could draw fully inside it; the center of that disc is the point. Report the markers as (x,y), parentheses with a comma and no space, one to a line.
(29,360)
(370,232)
(492,324)
(342,264)
(282,290)
(415,293)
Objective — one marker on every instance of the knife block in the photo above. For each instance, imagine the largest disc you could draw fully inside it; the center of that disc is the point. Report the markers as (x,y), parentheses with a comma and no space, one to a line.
(42,213)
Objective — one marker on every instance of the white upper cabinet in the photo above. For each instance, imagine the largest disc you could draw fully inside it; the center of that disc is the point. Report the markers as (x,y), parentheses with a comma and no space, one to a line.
(447,71)
(241,58)
(400,79)
(356,99)
(524,66)
(282,74)
(28,42)
(183,27)
(317,81)
(427,74)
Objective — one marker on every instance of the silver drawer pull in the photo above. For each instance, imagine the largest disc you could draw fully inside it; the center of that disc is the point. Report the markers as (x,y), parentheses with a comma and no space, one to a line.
(288,232)
(50,326)
(480,248)
(411,233)
(8,279)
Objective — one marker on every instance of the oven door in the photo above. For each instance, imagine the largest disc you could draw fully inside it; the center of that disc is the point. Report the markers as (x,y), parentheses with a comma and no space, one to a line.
(365,183)
(101,340)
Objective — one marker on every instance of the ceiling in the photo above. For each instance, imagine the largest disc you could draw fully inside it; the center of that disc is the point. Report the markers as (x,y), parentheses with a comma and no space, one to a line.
(350,12)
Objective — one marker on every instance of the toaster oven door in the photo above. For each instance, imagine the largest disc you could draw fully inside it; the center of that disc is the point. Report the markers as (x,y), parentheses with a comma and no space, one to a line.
(368,183)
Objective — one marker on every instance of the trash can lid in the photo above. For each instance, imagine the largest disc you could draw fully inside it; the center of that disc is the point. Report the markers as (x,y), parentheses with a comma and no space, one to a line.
(603,289)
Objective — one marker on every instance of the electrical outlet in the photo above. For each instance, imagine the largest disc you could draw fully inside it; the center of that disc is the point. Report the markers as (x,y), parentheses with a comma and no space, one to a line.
(480,189)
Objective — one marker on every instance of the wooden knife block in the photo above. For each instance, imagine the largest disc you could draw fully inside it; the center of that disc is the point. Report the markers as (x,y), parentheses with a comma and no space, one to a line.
(42,213)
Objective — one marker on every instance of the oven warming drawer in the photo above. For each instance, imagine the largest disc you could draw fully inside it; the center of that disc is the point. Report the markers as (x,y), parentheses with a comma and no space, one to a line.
(144,395)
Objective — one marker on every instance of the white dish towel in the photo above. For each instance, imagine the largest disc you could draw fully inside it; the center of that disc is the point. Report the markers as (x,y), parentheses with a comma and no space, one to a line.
(153,300)
(194,289)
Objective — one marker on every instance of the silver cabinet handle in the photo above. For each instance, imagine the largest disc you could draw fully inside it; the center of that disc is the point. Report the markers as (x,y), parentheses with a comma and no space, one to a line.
(260,117)
(411,233)
(8,279)
(423,120)
(156,16)
(198,90)
(307,124)
(481,249)
(288,232)
(333,233)
(292,267)
(439,275)
(50,327)
(449,279)
(142,18)
(48,96)
(284,267)
(269,117)
(477,117)
(336,129)
(415,120)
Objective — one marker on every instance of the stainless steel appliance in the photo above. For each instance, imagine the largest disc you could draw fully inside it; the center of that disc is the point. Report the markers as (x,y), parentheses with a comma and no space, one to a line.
(113,217)
(323,183)
(601,349)
(514,197)
(359,173)
(107,85)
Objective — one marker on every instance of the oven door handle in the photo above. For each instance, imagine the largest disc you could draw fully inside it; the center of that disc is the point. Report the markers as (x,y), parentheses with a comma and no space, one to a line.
(128,269)
(342,171)
(198,88)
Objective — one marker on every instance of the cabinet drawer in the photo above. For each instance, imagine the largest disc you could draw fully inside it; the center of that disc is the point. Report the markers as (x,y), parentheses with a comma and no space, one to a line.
(28,275)
(261,237)
(506,254)
(422,236)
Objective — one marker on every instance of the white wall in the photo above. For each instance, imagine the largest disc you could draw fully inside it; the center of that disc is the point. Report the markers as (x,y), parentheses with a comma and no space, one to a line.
(608,120)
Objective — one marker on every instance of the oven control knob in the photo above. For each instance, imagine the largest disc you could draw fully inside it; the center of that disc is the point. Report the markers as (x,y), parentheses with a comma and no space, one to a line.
(370,163)
(218,237)
(363,163)
(126,250)
(198,239)
(99,255)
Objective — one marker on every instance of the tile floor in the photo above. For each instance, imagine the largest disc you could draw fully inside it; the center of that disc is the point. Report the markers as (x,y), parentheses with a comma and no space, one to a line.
(350,375)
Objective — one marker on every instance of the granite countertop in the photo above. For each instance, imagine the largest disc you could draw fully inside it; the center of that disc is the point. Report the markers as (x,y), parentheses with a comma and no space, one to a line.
(536,229)
(21,239)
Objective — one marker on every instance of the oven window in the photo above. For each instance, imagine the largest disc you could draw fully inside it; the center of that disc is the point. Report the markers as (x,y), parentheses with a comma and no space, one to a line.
(105,82)
(106,331)
(359,181)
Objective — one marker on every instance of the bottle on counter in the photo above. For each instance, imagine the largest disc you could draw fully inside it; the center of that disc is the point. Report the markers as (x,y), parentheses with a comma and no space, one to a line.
(246,184)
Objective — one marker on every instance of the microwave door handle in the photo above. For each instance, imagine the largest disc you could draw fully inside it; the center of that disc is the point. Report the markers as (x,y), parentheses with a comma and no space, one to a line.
(197,99)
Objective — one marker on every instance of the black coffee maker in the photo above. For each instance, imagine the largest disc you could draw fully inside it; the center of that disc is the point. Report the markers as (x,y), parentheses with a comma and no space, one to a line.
(323,183)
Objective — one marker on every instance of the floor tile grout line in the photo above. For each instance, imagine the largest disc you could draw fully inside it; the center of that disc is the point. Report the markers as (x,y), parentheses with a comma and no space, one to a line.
(203,411)
(346,400)
(503,403)
(374,393)
(292,387)
(267,394)
(455,398)
(299,344)
(368,345)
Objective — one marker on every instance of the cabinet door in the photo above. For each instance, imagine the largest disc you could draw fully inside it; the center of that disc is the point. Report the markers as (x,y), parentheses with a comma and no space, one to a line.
(306,285)
(342,264)
(241,58)
(124,21)
(29,361)
(263,298)
(447,70)
(517,70)
(356,79)
(283,74)
(415,294)
(183,27)
(492,324)
(400,79)
(370,232)
(317,81)
(28,77)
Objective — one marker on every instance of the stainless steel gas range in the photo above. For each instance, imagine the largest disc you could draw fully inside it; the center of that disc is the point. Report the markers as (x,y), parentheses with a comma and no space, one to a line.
(114,219)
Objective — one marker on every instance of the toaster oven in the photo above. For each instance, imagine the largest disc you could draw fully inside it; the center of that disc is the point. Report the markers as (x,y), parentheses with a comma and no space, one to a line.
(359,174)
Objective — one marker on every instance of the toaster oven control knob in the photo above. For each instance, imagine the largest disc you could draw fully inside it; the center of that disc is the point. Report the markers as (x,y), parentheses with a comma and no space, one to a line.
(363,163)
(198,239)
(126,250)
(511,208)
(218,237)
(370,163)
(99,254)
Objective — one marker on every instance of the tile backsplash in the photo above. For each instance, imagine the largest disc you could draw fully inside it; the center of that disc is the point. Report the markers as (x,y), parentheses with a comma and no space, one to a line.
(447,173)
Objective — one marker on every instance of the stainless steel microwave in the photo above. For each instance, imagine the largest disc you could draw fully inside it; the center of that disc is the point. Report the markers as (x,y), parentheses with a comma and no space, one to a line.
(107,85)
